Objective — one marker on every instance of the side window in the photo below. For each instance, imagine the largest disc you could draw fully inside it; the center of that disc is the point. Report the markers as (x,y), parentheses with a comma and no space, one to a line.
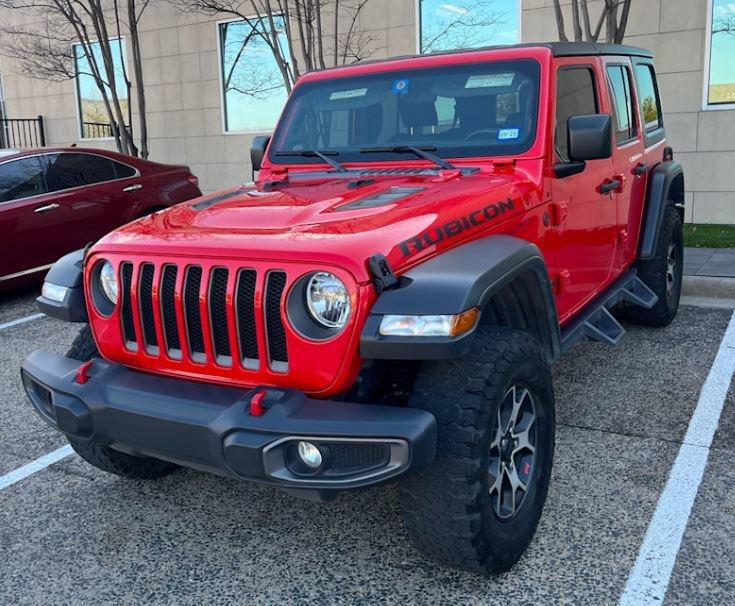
(21,178)
(648,99)
(75,170)
(575,96)
(622,97)
(123,171)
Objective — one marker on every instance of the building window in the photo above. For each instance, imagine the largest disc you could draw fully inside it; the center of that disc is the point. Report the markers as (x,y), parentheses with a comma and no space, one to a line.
(720,85)
(253,90)
(94,121)
(447,25)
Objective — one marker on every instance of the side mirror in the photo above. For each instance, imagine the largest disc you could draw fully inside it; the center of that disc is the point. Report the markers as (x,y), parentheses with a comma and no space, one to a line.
(257,150)
(590,137)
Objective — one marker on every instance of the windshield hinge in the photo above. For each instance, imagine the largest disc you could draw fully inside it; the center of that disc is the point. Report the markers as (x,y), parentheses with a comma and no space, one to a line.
(381,273)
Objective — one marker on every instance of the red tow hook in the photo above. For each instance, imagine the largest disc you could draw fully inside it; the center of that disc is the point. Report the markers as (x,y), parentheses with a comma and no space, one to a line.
(83,372)
(256,403)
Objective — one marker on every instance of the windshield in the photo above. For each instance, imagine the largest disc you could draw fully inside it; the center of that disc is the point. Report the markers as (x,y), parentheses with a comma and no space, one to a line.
(484,109)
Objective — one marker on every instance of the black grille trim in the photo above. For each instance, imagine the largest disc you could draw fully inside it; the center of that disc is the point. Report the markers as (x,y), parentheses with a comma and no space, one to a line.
(195,334)
(145,300)
(218,316)
(128,324)
(245,314)
(275,331)
(168,310)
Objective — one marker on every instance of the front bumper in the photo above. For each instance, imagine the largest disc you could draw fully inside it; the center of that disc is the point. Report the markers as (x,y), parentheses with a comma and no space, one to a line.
(213,428)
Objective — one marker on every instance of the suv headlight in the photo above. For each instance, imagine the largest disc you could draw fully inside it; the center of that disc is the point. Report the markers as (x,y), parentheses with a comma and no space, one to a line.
(327,300)
(108,282)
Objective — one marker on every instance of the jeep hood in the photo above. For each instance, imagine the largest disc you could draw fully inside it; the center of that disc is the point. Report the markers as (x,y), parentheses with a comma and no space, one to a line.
(341,221)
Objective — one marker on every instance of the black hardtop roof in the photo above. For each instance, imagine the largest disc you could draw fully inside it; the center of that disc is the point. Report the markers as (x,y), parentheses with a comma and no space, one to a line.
(558,49)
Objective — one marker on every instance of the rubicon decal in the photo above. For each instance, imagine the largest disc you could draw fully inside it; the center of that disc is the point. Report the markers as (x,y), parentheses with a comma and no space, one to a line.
(455,227)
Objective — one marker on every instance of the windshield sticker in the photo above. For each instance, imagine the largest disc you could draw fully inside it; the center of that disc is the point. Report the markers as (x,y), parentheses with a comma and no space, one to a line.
(490,80)
(508,133)
(400,87)
(348,94)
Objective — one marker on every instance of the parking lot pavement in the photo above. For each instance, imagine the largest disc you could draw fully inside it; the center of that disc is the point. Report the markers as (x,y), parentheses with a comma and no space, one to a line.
(74,534)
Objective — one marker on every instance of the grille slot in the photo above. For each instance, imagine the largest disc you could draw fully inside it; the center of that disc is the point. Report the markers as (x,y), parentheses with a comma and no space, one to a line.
(245,313)
(218,316)
(168,310)
(128,324)
(145,298)
(275,331)
(194,331)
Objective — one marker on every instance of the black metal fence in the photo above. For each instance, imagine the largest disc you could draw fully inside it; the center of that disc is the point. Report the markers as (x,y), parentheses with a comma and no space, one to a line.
(96,130)
(22,133)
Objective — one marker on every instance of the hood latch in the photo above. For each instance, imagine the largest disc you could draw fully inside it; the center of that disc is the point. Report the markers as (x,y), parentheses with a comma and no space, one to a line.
(382,274)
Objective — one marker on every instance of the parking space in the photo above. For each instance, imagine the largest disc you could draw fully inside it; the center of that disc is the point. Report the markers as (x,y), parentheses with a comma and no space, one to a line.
(74,534)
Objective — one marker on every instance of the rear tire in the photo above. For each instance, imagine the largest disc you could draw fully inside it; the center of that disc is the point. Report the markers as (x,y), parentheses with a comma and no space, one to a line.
(458,511)
(102,457)
(662,274)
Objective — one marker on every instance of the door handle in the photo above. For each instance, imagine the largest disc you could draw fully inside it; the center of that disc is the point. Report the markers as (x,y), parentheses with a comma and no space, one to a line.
(46,209)
(609,185)
(640,169)
(133,187)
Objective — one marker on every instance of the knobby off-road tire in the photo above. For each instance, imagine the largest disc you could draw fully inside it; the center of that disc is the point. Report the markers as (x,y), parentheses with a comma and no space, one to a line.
(663,274)
(452,510)
(139,468)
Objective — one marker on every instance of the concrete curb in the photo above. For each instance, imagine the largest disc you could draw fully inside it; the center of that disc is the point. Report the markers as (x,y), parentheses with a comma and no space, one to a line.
(708,286)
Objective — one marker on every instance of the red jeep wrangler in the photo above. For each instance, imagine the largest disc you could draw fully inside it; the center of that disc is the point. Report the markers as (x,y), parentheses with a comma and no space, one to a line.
(425,237)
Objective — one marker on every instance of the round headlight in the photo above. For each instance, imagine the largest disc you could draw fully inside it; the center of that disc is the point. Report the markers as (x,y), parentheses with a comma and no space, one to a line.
(108,282)
(328,300)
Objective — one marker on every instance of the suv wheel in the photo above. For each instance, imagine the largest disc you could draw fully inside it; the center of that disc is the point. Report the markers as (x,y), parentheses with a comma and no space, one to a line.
(663,274)
(478,505)
(102,457)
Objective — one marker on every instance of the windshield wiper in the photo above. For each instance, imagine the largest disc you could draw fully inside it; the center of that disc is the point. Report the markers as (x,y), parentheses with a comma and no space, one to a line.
(421,152)
(314,153)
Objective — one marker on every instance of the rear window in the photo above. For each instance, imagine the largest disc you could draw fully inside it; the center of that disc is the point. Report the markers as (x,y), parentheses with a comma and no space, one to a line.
(458,111)
(123,171)
(648,98)
(69,170)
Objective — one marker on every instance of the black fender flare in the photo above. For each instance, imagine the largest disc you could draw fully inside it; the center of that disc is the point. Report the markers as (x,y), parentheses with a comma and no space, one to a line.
(665,186)
(457,280)
(67,272)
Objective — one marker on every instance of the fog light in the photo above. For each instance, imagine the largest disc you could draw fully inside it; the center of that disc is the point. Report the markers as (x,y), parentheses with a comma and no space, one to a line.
(310,454)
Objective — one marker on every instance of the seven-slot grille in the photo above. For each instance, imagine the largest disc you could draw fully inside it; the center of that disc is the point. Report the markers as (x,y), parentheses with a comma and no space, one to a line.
(232,332)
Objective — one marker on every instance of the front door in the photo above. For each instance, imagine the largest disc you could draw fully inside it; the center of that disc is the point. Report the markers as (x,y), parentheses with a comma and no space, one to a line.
(586,218)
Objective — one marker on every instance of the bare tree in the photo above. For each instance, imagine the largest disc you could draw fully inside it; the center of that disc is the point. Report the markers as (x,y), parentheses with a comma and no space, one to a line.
(63,35)
(613,17)
(465,25)
(724,25)
(300,35)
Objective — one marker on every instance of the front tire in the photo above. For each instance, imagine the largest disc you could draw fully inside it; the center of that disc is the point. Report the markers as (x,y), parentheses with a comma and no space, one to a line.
(477,506)
(102,457)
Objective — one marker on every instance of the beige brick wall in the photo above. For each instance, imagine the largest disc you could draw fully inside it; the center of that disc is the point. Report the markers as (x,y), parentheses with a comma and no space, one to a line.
(704,141)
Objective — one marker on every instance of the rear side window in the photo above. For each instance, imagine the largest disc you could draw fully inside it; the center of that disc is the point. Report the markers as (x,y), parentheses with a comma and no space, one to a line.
(21,178)
(75,170)
(650,104)
(575,96)
(622,97)
(123,171)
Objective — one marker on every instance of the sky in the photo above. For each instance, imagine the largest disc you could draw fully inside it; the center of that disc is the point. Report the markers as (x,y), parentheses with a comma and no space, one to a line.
(722,70)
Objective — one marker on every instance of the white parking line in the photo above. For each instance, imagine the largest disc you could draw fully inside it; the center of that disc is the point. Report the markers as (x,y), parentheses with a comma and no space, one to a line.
(650,576)
(21,321)
(35,466)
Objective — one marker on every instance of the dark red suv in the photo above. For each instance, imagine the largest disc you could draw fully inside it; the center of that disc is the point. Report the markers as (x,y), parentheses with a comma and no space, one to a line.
(53,201)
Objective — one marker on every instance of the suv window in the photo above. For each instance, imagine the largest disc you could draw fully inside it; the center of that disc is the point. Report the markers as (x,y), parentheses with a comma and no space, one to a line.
(21,178)
(622,97)
(650,104)
(575,96)
(69,170)
(482,109)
